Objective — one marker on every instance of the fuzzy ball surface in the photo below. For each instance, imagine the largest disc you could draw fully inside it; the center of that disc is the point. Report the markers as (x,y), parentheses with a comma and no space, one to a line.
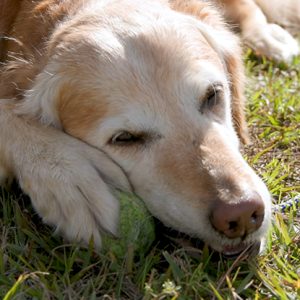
(136,229)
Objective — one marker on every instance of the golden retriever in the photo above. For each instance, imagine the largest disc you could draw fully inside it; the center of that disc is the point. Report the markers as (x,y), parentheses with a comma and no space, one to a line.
(142,96)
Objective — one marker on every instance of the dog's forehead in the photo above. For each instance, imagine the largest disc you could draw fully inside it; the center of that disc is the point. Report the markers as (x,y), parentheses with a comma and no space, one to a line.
(153,48)
(162,61)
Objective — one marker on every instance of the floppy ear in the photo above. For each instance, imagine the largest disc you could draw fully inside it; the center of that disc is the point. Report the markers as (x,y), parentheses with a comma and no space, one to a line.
(235,69)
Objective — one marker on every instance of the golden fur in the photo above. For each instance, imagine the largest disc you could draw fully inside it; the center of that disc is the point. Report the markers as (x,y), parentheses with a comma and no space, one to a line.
(77,75)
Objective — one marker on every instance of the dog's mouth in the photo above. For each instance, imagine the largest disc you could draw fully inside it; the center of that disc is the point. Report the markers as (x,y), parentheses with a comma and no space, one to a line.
(234,250)
(230,251)
(192,245)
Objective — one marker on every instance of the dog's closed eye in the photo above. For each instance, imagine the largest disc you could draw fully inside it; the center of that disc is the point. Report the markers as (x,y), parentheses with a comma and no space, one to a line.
(138,138)
(125,138)
(212,98)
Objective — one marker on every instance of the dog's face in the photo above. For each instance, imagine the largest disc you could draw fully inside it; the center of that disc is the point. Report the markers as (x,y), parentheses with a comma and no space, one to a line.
(158,101)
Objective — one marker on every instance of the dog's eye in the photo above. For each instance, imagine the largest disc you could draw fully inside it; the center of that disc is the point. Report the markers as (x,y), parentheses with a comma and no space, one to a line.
(212,97)
(125,138)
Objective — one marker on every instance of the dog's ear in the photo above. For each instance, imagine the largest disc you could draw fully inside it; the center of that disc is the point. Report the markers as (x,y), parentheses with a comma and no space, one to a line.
(226,44)
(235,69)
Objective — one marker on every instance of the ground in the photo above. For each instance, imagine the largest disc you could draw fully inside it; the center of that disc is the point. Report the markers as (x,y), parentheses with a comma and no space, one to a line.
(34,264)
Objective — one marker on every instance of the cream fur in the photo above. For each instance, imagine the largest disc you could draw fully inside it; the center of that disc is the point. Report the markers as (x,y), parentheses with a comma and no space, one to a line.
(135,66)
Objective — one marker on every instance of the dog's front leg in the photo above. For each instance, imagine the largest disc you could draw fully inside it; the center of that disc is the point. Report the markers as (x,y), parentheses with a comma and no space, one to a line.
(70,183)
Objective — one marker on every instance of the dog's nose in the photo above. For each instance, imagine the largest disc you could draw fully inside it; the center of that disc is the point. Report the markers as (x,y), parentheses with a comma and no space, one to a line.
(238,219)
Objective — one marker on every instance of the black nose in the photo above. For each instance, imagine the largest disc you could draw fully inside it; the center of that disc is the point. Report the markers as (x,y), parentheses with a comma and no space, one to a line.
(238,219)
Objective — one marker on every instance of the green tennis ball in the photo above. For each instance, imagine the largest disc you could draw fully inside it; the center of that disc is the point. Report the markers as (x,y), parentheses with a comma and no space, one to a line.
(136,229)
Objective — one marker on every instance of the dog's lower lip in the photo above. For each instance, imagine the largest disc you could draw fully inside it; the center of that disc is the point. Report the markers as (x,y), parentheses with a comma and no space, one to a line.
(234,250)
(250,250)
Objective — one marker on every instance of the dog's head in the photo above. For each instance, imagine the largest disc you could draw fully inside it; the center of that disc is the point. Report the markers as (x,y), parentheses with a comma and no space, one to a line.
(161,93)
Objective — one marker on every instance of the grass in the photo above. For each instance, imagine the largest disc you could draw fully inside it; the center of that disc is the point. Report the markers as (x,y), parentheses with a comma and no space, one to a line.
(34,264)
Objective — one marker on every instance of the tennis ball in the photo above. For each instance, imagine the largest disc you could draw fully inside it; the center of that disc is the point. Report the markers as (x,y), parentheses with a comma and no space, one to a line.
(136,229)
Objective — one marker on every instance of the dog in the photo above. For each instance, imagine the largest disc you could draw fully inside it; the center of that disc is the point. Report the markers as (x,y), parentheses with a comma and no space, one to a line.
(139,96)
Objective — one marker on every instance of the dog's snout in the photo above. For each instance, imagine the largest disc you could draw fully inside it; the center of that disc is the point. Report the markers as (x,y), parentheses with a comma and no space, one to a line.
(238,219)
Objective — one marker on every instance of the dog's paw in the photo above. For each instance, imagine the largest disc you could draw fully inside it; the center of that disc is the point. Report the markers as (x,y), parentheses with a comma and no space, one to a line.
(70,185)
(273,42)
